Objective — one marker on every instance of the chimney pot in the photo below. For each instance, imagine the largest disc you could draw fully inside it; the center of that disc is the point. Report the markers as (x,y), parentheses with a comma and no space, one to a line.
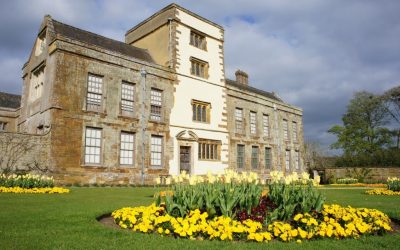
(242,77)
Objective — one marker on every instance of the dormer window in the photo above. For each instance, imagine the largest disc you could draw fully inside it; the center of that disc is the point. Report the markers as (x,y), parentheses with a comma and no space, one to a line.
(198,40)
(40,43)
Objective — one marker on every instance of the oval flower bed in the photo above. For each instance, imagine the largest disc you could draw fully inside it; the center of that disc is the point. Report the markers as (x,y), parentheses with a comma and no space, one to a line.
(231,207)
(28,183)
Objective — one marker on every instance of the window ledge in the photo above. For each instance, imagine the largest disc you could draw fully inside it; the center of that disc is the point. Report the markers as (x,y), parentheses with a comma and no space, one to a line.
(128,117)
(88,165)
(94,112)
(158,122)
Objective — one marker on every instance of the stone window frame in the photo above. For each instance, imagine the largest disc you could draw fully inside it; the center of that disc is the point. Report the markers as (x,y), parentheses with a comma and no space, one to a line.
(239,120)
(287,160)
(99,146)
(266,126)
(36,86)
(253,122)
(3,125)
(94,90)
(285,127)
(123,150)
(156,103)
(295,131)
(240,156)
(209,150)
(158,151)
(268,158)
(126,98)
(255,157)
(198,40)
(297,159)
(198,67)
(204,116)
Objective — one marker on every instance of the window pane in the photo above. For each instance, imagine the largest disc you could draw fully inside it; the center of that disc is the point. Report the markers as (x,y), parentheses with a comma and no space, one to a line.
(92,145)
(127,148)
(156,151)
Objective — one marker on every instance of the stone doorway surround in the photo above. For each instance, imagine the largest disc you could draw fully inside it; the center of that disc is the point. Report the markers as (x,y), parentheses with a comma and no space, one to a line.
(187,138)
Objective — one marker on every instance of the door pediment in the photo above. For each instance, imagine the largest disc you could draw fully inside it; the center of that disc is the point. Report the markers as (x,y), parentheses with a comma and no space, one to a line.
(187,135)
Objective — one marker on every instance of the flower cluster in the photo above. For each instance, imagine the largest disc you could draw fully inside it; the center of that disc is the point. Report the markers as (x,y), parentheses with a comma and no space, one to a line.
(393,183)
(228,177)
(304,178)
(333,222)
(26,181)
(48,190)
(382,191)
(361,185)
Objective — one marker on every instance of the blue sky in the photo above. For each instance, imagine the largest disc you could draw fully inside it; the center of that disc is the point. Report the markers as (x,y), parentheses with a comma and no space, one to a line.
(314,53)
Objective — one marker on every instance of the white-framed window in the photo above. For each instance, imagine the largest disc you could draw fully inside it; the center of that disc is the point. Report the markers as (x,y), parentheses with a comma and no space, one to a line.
(254,157)
(127,97)
(285,130)
(297,160)
(94,92)
(156,151)
(127,149)
(240,156)
(197,40)
(294,131)
(268,158)
(93,145)
(3,126)
(253,122)
(239,120)
(287,160)
(155,104)
(209,150)
(266,125)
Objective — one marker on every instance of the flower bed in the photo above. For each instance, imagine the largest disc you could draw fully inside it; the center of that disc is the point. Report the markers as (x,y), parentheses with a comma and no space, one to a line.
(360,185)
(234,207)
(28,183)
(382,191)
(19,190)
(392,188)
(334,221)
(346,181)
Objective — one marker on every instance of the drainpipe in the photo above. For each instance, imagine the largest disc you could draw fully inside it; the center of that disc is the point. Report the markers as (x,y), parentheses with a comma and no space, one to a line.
(143,119)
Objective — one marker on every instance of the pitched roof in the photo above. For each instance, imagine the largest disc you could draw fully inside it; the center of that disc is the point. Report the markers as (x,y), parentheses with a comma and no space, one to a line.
(252,89)
(101,41)
(8,100)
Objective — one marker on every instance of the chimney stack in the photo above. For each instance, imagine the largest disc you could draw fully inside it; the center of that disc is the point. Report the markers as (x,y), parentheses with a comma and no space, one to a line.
(242,77)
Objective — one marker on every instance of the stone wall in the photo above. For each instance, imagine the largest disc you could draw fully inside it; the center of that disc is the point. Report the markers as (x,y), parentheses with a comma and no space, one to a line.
(23,152)
(376,174)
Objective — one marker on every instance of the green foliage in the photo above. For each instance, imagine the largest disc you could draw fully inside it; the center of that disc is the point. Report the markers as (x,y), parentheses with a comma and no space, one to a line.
(216,198)
(382,157)
(363,128)
(26,181)
(346,181)
(393,184)
(292,199)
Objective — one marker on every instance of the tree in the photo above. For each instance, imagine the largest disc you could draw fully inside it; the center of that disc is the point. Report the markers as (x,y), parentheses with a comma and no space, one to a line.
(363,131)
(392,101)
(314,155)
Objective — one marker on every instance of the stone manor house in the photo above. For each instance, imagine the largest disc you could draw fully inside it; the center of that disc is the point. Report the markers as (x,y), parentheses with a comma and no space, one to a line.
(99,110)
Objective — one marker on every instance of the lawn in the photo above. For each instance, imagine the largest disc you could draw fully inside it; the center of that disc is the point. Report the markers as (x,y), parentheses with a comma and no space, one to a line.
(68,221)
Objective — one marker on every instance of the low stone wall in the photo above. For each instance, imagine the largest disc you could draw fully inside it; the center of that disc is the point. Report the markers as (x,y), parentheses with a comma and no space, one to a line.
(22,152)
(375,173)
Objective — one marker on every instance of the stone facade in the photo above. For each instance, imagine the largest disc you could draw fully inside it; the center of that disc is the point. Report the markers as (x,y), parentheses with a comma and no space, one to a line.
(196,123)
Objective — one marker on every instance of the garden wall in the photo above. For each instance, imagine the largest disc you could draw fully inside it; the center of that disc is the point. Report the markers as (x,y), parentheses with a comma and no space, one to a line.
(22,152)
(374,173)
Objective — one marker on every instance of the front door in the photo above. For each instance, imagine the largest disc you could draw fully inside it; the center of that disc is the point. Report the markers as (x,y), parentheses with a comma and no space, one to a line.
(185,159)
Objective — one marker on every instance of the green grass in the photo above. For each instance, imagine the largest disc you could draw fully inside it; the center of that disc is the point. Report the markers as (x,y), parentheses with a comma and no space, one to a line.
(68,221)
